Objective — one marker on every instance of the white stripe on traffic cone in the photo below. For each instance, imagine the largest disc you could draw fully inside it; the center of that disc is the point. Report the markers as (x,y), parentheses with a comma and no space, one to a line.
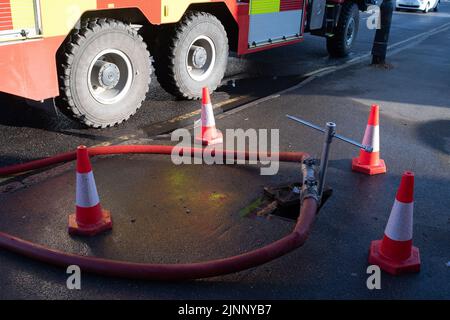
(395,253)
(86,194)
(370,162)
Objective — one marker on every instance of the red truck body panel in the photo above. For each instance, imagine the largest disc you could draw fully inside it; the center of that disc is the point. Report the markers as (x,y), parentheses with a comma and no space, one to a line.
(28,66)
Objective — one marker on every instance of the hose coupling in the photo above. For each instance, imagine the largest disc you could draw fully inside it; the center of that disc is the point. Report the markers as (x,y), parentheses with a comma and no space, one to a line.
(310,187)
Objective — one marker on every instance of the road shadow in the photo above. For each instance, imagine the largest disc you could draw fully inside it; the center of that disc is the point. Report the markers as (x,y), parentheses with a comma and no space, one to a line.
(435,134)
(16,112)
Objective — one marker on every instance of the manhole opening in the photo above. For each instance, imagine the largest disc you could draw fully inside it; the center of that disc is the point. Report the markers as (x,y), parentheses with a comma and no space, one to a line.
(282,201)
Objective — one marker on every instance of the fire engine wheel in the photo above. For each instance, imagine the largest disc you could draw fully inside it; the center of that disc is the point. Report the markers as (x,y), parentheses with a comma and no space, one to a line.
(193,54)
(436,9)
(341,43)
(105,73)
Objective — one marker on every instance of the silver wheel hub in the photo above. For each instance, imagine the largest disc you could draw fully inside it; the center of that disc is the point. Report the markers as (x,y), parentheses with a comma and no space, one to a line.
(110,76)
(201,58)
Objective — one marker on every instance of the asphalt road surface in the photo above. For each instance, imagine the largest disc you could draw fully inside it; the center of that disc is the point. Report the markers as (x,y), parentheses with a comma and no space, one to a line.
(28,133)
(169,215)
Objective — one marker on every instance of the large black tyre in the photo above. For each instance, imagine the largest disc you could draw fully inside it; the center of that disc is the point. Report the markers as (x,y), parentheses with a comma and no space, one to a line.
(436,9)
(104,73)
(341,43)
(179,68)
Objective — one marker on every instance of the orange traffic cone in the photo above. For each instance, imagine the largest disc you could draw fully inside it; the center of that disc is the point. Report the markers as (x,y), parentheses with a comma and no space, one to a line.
(395,254)
(89,218)
(209,134)
(370,162)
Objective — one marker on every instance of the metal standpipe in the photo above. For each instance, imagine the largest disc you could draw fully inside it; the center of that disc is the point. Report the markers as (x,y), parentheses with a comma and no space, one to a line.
(330,133)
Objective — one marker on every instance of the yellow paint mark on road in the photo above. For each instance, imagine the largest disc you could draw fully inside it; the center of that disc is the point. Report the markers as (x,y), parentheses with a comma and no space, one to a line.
(109,143)
(198,112)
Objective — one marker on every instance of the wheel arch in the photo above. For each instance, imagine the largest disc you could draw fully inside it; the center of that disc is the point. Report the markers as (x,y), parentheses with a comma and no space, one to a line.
(221,12)
(126,15)
(362,4)
(149,29)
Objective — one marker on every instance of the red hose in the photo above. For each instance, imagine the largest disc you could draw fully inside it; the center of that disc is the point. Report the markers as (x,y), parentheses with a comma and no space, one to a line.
(138,149)
(161,271)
